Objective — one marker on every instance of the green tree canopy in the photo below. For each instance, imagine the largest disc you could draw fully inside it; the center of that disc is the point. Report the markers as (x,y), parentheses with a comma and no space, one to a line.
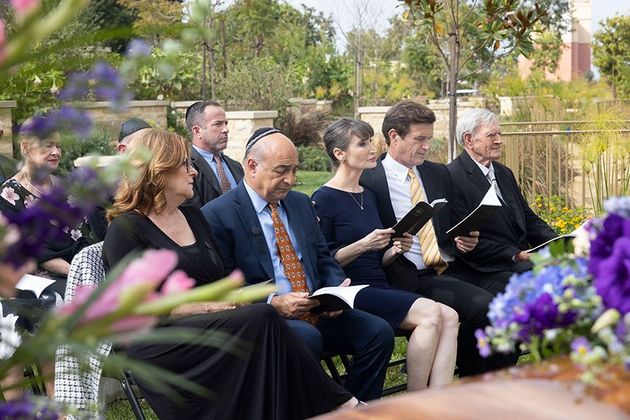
(611,53)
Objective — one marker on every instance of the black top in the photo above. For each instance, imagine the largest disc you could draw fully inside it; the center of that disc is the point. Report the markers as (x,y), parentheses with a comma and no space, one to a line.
(132,231)
(343,222)
(15,198)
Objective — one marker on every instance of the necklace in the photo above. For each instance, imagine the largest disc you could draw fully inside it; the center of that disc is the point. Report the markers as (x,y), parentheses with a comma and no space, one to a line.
(39,192)
(355,200)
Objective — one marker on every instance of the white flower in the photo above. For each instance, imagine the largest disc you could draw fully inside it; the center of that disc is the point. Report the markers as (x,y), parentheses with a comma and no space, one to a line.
(10,195)
(29,200)
(582,242)
(10,339)
(75,234)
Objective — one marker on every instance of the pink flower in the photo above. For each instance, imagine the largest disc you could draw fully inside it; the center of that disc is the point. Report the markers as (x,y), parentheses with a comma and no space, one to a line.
(137,283)
(22,7)
(177,282)
(10,195)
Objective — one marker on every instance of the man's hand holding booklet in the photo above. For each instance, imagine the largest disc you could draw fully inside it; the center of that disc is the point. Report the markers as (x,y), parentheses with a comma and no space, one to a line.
(418,216)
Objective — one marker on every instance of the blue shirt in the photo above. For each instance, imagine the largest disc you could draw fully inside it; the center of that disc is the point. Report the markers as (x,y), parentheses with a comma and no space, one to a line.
(209,157)
(264,217)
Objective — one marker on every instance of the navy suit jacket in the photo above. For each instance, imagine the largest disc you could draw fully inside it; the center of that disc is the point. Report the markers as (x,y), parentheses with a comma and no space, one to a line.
(402,273)
(514,228)
(206,187)
(235,226)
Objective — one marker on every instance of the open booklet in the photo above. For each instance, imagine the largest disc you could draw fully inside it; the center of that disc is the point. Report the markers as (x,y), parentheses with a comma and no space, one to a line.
(566,237)
(418,216)
(335,298)
(478,217)
(34,284)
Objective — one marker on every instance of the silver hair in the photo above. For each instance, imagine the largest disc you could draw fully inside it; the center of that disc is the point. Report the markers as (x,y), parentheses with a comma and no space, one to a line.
(471,120)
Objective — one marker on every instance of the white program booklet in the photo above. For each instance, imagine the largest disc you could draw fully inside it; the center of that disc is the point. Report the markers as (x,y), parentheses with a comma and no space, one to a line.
(33,283)
(335,298)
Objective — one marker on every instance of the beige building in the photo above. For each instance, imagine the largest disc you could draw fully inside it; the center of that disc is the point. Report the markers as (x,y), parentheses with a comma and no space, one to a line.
(575,61)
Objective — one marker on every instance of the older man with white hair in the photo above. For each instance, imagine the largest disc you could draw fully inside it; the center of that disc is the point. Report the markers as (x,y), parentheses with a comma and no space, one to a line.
(516,228)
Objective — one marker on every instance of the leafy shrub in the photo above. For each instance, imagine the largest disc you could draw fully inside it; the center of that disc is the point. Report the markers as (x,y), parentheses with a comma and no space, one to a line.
(313,159)
(173,119)
(555,211)
(99,142)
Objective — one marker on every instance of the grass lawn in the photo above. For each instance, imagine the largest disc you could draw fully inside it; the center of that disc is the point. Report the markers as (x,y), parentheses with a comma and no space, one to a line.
(309,181)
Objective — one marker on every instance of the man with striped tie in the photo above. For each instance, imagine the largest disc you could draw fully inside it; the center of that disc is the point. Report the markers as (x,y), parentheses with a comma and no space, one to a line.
(515,227)
(208,126)
(401,179)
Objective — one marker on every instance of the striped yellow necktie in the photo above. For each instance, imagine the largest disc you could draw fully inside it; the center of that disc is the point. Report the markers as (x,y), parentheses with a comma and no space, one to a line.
(426,235)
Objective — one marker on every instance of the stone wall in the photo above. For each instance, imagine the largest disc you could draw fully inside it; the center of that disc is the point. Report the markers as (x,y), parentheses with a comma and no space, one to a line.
(311,105)
(242,125)
(153,112)
(6,145)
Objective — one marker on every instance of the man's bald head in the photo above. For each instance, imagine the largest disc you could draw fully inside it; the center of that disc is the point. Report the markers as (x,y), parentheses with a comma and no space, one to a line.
(270,166)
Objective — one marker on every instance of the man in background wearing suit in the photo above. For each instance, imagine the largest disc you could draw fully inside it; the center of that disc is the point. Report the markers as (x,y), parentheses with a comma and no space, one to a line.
(515,227)
(270,232)
(402,178)
(218,174)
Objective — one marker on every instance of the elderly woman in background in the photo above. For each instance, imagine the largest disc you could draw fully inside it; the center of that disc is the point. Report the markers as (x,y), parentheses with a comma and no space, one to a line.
(41,159)
(278,378)
(350,223)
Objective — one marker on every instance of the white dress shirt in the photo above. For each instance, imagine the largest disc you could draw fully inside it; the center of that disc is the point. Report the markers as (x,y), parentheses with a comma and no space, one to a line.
(399,185)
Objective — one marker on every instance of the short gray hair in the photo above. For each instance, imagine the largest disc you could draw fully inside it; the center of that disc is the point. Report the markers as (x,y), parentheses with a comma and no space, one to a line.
(471,120)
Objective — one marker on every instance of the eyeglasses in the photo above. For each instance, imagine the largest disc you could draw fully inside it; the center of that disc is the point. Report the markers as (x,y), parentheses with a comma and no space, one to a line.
(187,163)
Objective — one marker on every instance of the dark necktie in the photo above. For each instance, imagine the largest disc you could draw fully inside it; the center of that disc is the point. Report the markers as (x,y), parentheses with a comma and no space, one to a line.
(293,269)
(224,182)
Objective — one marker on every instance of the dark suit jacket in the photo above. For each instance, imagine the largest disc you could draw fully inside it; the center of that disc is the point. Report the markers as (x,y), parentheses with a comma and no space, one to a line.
(437,184)
(514,228)
(206,187)
(234,224)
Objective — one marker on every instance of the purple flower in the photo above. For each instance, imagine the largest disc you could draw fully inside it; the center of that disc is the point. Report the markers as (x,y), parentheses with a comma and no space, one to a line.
(541,315)
(65,118)
(77,87)
(483,343)
(138,48)
(29,408)
(614,227)
(612,281)
(110,85)
(104,81)
(581,346)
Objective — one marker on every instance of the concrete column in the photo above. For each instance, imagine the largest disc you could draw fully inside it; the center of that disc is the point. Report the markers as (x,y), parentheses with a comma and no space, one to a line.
(242,124)
(6,112)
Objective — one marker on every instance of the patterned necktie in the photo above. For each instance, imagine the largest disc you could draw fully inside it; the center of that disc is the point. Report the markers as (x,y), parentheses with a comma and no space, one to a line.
(293,269)
(224,182)
(493,181)
(426,235)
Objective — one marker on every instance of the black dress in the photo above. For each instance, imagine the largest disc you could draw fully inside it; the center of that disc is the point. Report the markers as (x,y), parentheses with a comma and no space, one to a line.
(343,222)
(277,379)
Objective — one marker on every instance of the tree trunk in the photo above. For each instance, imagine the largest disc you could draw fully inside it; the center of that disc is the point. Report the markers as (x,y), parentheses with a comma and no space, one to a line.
(452,91)
(204,79)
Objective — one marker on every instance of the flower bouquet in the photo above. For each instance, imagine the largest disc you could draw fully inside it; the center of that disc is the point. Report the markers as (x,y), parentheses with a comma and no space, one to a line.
(575,301)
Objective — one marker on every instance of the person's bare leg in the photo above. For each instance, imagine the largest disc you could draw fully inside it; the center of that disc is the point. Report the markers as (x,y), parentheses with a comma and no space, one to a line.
(425,320)
(13,379)
(446,353)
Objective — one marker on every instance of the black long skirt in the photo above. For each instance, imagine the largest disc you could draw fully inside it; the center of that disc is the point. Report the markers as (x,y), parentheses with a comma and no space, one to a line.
(275,378)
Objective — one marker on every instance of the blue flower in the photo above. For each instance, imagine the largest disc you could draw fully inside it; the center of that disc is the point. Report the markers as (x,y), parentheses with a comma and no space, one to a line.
(483,343)
(138,48)
(66,118)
